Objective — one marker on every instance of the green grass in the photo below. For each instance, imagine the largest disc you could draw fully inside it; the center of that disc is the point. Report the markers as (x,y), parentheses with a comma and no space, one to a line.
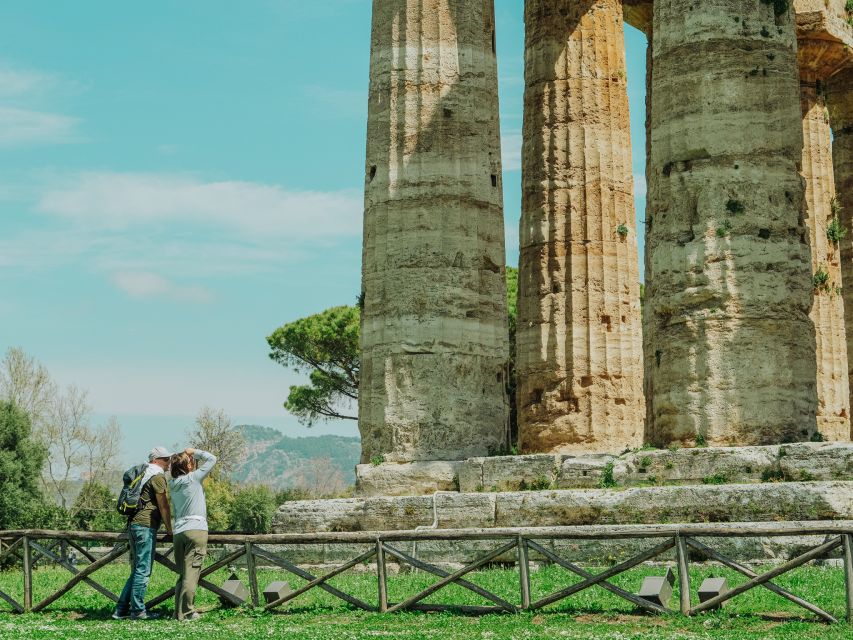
(758,615)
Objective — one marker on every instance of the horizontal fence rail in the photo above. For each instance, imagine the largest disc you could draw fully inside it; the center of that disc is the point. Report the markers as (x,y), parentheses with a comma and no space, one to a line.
(29,547)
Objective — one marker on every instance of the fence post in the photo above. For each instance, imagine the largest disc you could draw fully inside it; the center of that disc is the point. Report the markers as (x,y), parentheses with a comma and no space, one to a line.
(253,574)
(848,574)
(382,576)
(524,572)
(683,574)
(28,575)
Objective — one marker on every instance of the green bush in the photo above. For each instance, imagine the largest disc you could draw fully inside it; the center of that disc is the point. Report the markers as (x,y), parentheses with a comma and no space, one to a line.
(253,509)
(95,510)
(835,231)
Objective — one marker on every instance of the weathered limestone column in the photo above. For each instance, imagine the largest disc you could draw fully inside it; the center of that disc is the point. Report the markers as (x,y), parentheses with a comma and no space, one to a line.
(731,347)
(434,320)
(840,99)
(820,56)
(579,342)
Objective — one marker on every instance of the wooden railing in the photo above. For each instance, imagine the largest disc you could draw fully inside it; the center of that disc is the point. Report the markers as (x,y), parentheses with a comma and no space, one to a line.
(31,546)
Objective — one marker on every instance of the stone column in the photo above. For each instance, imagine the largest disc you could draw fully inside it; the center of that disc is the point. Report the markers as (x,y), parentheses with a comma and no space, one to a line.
(840,99)
(579,343)
(731,347)
(833,389)
(434,319)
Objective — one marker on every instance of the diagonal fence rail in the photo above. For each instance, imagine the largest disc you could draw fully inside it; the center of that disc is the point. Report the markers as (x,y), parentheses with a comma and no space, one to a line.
(33,546)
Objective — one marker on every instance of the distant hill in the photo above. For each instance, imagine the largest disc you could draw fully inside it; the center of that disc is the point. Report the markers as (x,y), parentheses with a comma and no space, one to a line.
(321,463)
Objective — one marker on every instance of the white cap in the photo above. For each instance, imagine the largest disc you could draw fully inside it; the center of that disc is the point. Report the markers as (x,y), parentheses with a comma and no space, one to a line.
(158,452)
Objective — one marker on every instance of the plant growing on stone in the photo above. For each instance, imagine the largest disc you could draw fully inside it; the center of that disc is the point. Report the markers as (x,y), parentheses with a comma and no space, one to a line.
(724,229)
(821,280)
(607,479)
(622,230)
(835,206)
(835,231)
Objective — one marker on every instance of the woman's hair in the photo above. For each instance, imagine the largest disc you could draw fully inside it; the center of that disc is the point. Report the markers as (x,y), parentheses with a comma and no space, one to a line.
(180,464)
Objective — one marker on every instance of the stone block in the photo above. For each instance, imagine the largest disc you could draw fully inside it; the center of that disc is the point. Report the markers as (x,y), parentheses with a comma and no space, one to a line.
(407,479)
(276,591)
(658,589)
(509,473)
(235,587)
(583,471)
(816,461)
(711,588)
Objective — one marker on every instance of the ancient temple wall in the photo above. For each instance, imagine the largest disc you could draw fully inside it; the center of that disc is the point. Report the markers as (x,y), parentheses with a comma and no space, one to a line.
(731,347)
(434,319)
(579,342)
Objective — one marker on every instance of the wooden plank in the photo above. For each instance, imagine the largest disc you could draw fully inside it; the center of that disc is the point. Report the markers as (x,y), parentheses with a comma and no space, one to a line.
(815,553)
(292,568)
(441,573)
(848,575)
(596,532)
(216,566)
(606,575)
(455,608)
(230,597)
(16,606)
(253,575)
(367,555)
(382,577)
(73,570)
(12,548)
(28,575)
(50,547)
(75,580)
(749,573)
(683,575)
(524,572)
(612,588)
(453,577)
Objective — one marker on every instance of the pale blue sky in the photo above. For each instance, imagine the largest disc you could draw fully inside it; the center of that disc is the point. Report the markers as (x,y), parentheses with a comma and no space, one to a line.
(180,177)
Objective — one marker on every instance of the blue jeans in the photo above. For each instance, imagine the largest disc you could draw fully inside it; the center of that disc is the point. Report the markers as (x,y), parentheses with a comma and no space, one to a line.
(142,542)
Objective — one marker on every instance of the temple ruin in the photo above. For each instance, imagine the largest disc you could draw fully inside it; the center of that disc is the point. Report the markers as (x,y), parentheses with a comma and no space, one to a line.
(743,338)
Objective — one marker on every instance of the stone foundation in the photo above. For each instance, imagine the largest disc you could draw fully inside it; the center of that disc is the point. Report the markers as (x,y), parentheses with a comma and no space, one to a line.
(711,465)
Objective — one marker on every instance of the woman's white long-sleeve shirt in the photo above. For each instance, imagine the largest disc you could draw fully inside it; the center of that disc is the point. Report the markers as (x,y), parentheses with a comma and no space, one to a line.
(189,507)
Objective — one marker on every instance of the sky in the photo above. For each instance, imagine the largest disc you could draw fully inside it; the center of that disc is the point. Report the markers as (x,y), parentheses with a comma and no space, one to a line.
(180,177)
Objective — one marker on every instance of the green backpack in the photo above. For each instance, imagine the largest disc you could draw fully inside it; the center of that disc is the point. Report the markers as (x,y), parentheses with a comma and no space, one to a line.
(128,499)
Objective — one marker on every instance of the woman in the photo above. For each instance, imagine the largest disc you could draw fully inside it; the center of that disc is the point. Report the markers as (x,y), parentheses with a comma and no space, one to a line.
(189,510)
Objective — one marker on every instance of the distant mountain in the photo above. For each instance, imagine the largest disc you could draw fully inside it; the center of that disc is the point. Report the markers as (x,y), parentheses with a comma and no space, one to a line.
(320,463)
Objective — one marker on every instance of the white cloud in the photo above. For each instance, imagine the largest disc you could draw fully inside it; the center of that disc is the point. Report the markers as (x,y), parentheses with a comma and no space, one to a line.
(16,82)
(144,284)
(511,150)
(117,201)
(20,127)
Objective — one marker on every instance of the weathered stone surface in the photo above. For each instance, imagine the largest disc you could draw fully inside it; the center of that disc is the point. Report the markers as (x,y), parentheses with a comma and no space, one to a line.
(579,345)
(694,503)
(509,473)
(717,465)
(731,348)
(822,50)
(411,479)
(840,102)
(434,321)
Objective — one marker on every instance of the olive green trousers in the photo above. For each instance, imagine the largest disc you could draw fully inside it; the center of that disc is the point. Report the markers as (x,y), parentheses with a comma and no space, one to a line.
(190,551)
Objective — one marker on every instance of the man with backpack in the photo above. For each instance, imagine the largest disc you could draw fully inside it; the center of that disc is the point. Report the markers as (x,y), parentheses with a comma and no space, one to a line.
(143,499)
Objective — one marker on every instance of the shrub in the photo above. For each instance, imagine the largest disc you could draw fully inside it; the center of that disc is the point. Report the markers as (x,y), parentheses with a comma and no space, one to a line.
(835,231)
(220,500)
(95,509)
(607,479)
(821,279)
(253,509)
(622,230)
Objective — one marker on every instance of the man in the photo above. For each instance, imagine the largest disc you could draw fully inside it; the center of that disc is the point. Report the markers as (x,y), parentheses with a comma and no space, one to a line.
(142,532)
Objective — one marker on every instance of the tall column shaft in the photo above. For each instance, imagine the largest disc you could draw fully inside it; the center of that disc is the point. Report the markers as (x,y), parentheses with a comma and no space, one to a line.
(731,344)
(579,344)
(840,99)
(434,321)
(833,393)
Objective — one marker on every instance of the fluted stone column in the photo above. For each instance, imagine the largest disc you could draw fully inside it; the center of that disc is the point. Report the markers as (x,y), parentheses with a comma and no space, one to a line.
(731,347)
(840,99)
(820,56)
(579,341)
(434,320)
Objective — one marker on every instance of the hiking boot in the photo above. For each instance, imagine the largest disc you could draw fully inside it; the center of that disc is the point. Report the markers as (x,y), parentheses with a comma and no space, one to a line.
(195,615)
(118,615)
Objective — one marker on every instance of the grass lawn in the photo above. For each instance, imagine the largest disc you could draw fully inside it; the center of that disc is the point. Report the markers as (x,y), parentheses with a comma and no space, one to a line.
(595,613)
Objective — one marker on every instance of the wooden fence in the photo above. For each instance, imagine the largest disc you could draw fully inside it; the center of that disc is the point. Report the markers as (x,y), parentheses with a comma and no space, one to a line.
(32,546)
